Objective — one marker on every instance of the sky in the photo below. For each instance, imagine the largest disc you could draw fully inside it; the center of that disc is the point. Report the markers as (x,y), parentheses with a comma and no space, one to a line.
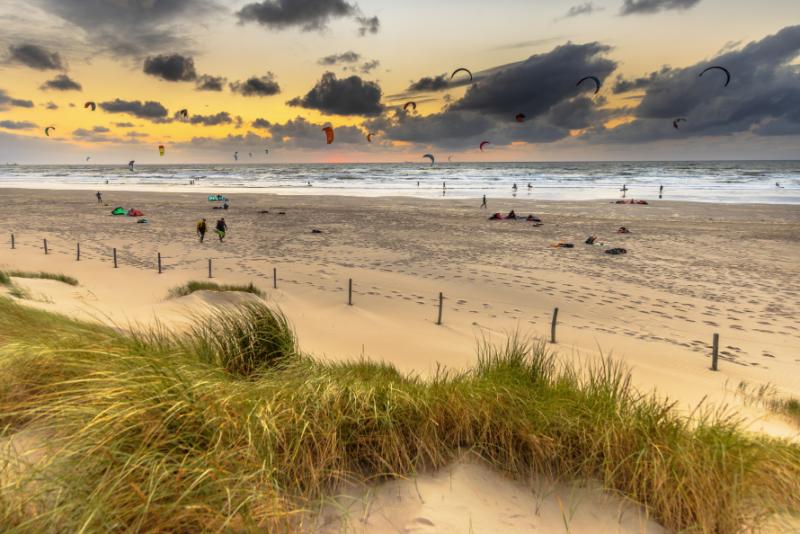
(258,75)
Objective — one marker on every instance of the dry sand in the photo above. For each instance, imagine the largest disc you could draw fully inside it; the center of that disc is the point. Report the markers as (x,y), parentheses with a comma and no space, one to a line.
(692,270)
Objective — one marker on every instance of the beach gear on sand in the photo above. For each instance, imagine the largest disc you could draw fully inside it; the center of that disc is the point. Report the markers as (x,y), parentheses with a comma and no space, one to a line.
(316,231)
(616,251)
(562,245)
(216,198)
(533,218)
(632,201)
(496,217)
(119,211)
(590,240)
(623,230)
(142,221)
(511,215)
(133,212)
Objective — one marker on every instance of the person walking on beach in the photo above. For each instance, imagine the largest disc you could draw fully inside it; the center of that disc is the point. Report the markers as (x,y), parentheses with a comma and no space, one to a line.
(221,228)
(202,227)
(624,190)
(99,197)
(660,191)
(483,204)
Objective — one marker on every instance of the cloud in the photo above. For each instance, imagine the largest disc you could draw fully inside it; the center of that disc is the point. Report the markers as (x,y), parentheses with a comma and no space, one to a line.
(430,83)
(152,111)
(132,28)
(123,124)
(207,82)
(17,125)
(6,101)
(645,7)
(368,25)
(223,117)
(51,105)
(336,59)
(257,86)
(369,66)
(62,82)
(172,68)
(96,134)
(35,57)
(136,135)
(263,124)
(308,15)
(300,133)
(763,97)
(622,85)
(528,44)
(348,96)
(587,8)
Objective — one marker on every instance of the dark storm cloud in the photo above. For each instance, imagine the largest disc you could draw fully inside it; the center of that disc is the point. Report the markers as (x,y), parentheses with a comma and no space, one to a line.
(622,85)
(535,85)
(300,133)
(62,82)
(430,83)
(206,82)
(17,125)
(336,59)
(763,96)
(636,7)
(223,117)
(6,101)
(132,27)
(172,68)
(586,8)
(35,57)
(308,15)
(149,110)
(368,25)
(257,86)
(346,96)
(263,124)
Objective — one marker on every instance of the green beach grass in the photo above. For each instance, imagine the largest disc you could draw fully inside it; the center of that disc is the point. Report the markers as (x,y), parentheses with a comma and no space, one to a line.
(16,291)
(230,428)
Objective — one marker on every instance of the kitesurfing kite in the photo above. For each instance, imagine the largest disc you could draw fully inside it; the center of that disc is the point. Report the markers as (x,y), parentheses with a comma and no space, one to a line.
(161,150)
(369,138)
(184,113)
(483,144)
(90,105)
(88,158)
(723,69)
(328,134)
(130,164)
(461,69)
(430,157)
(676,121)
(520,117)
(412,104)
(595,79)
(47,130)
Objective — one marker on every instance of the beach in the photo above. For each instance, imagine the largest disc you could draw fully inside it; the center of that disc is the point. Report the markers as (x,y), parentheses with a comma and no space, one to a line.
(691,270)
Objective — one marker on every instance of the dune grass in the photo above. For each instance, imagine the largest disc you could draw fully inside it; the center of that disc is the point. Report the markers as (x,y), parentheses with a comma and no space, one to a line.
(6,276)
(194,285)
(232,429)
(768,396)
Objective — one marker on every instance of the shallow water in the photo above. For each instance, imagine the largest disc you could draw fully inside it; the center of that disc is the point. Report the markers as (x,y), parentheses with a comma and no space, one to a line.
(722,181)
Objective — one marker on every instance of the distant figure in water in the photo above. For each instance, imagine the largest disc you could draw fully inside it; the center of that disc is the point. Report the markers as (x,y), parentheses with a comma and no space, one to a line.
(779,186)
(202,227)
(529,186)
(444,185)
(106,182)
(309,184)
(483,204)
(221,228)
(624,190)
(514,187)
(417,183)
(99,197)
(660,191)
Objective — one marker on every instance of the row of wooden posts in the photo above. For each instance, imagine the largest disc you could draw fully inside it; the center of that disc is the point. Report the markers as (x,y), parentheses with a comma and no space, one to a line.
(554,322)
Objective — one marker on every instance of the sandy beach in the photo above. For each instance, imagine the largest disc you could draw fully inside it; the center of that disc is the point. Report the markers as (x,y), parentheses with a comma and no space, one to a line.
(691,270)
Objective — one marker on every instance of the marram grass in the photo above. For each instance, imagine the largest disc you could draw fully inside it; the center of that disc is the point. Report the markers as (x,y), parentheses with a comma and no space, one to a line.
(194,285)
(234,430)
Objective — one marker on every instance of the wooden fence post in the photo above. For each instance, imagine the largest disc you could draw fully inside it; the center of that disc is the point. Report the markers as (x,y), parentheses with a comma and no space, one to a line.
(159,263)
(45,246)
(114,251)
(441,301)
(553,326)
(13,244)
(714,352)
(209,268)
(275,278)
(78,254)
(350,292)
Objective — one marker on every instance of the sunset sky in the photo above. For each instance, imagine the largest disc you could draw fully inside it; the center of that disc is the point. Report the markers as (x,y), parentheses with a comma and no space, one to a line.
(258,74)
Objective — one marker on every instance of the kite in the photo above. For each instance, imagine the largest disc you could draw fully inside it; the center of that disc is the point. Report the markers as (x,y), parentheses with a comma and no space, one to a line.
(483,144)
(461,69)
(88,158)
(90,105)
(328,134)
(47,130)
(161,150)
(430,157)
(593,78)
(184,113)
(369,138)
(676,121)
(412,104)
(723,69)
(520,117)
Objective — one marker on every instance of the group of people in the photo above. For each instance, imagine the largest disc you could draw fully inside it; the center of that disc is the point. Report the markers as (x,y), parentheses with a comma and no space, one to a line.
(221,228)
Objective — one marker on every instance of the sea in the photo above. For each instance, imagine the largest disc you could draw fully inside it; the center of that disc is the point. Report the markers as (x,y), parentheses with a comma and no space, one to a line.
(770,182)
